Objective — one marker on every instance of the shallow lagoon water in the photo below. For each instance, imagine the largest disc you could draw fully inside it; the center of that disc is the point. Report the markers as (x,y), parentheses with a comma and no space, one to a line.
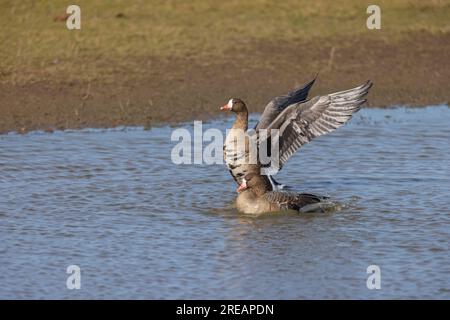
(140,227)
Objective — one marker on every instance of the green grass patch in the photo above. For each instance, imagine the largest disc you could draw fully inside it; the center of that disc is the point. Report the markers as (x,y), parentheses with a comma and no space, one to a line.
(115,33)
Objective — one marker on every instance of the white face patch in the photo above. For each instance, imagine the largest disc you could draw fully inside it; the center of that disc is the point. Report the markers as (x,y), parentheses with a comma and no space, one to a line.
(230,104)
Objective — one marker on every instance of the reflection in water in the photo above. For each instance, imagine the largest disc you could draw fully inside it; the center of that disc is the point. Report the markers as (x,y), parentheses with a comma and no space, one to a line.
(139,226)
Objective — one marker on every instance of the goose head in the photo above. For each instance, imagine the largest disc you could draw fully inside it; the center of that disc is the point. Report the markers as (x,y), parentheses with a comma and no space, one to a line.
(257,183)
(235,105)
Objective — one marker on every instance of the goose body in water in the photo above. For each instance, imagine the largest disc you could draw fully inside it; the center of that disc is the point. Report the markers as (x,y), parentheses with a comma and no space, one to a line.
(297,120)
(256,197)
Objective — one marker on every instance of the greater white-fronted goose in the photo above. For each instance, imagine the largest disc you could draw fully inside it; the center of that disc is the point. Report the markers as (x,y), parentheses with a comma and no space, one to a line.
(297,124)
(237,160)
(256,197)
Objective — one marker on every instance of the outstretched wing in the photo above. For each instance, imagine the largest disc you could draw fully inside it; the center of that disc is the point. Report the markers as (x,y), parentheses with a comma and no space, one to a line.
(278,104)
(301,122)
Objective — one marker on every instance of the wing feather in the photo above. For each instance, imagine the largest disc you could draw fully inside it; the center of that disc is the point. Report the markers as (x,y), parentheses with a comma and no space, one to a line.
(301,122)
(278,104)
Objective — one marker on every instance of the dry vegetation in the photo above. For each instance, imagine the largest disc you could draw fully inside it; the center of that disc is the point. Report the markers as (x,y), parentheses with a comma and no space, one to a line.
(133,55)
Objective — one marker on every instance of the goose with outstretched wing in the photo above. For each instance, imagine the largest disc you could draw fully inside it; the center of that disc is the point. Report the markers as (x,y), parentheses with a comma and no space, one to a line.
(237,158)
(296,122)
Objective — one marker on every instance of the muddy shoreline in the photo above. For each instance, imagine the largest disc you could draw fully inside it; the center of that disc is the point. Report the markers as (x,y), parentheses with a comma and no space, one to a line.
(413,71)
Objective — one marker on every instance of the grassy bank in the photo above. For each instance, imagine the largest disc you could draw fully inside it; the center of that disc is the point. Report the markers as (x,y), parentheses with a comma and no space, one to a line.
(143,54)
(115,34)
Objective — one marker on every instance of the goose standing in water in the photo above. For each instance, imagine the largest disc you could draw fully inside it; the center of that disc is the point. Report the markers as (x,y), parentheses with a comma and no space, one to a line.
(298,121)
(237,160)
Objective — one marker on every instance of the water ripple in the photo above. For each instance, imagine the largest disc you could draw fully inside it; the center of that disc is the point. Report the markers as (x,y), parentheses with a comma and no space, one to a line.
(139,226)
